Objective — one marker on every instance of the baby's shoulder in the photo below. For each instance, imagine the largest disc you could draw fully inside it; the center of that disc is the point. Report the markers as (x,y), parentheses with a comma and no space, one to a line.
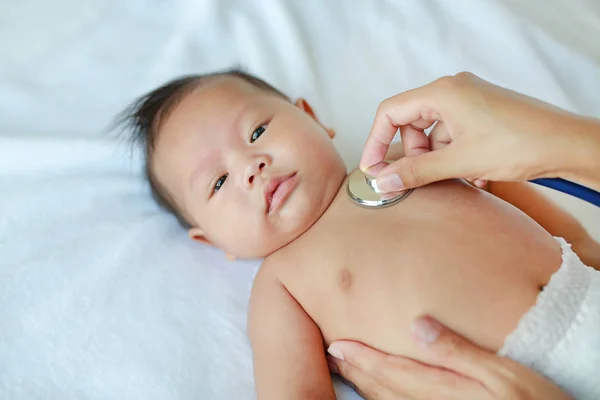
(270,269)
(274,264)
(267,269)
(272,277)
(280,265)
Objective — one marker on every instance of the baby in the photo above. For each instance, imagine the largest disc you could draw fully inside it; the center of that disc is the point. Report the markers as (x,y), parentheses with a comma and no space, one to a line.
(257,175)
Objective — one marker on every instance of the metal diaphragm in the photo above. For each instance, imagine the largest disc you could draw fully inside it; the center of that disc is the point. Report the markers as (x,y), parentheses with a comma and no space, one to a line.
(362,189)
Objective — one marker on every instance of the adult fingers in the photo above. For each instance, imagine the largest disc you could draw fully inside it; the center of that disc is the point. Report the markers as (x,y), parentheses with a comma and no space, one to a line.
(419,170)
(413,106)
(452,351)
(502,377)
(414,140)
(360,380)
(358,355)
(383,376)
(439,136)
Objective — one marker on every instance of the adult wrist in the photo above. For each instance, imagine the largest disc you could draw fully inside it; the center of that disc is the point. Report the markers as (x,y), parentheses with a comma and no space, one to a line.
(580,153)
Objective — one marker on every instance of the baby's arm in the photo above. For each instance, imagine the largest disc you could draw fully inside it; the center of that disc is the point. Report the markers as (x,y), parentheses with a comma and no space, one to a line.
(287,346)
(550,216)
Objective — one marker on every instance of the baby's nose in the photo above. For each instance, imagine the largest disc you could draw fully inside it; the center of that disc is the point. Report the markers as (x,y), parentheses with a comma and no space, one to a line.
(255,168)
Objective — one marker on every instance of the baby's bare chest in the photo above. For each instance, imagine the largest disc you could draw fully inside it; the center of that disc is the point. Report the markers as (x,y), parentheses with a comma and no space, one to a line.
(429,236)
(361,267)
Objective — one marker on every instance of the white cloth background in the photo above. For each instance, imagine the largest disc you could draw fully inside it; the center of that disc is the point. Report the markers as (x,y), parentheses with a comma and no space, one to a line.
(102,296)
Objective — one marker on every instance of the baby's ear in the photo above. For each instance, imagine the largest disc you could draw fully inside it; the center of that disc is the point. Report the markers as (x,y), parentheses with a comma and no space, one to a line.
(199,235)
(304,106)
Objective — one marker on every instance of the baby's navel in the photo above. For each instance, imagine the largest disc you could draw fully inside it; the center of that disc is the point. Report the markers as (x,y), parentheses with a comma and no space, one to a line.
(344,279)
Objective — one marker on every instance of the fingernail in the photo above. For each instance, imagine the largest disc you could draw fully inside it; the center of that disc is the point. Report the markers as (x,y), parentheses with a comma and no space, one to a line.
(426,329)
(389,183)
(376,169)
(335,352)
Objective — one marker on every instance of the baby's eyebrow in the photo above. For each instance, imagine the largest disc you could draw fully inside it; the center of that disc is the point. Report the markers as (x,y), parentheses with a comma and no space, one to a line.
(211,159)
(204,164)
(235,123)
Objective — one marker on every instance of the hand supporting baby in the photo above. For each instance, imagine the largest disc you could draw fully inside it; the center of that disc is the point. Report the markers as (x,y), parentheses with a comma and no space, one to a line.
(465,371)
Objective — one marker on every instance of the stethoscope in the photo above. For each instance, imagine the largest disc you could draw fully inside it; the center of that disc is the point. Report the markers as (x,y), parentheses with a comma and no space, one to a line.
(362,189)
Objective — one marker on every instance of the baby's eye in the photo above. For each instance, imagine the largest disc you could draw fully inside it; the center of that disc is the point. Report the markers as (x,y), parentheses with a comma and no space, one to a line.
(256,134)
(220,183)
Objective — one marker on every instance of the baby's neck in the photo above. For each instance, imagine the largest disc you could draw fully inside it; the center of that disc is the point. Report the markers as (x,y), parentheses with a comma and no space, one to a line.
(340,192)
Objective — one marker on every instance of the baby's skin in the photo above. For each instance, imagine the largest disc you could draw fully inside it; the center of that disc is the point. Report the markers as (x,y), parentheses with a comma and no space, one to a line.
(259,177)
(449,250)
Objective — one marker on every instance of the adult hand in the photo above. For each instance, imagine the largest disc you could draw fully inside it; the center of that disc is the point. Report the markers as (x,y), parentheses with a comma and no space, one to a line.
(464,371)
(483,132)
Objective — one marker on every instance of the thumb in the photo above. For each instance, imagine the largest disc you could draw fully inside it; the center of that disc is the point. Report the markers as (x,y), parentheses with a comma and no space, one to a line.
(419,170)
(452,351)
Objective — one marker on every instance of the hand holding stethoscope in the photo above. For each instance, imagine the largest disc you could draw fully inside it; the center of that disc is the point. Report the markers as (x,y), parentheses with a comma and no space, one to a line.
(482,132)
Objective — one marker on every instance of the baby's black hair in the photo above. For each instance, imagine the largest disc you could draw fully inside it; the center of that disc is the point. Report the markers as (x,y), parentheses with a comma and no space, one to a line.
(144,117)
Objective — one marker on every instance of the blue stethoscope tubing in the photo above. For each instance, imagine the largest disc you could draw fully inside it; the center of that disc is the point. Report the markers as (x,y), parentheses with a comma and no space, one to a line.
(570,188)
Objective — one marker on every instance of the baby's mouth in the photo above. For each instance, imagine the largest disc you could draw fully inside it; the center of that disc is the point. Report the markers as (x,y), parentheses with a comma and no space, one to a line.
(277,191)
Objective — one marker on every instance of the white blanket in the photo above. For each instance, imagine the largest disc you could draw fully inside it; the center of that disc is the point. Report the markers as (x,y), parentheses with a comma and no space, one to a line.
(102,296)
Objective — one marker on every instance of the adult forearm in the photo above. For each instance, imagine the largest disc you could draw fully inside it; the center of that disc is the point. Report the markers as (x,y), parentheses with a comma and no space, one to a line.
(579,153)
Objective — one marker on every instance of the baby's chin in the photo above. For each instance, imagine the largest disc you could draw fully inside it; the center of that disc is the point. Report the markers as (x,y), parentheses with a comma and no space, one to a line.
(296,221)
(301,212)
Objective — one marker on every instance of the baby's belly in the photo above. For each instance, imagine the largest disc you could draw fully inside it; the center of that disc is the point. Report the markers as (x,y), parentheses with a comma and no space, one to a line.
(456,253)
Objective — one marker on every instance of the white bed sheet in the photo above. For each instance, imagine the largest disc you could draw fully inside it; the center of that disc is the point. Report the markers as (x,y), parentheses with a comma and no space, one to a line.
(102,296)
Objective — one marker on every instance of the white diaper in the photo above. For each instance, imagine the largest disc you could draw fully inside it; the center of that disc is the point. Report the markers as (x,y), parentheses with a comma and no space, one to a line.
(560,335)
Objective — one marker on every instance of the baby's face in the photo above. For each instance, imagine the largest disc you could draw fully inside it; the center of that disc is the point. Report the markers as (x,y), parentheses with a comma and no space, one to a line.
(250,170)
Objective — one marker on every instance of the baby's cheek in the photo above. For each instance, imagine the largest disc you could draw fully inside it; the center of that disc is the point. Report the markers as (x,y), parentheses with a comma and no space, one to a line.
(243,239)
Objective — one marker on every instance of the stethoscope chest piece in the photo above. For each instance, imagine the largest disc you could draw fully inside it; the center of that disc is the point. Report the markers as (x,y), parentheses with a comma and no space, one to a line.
(363,190)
